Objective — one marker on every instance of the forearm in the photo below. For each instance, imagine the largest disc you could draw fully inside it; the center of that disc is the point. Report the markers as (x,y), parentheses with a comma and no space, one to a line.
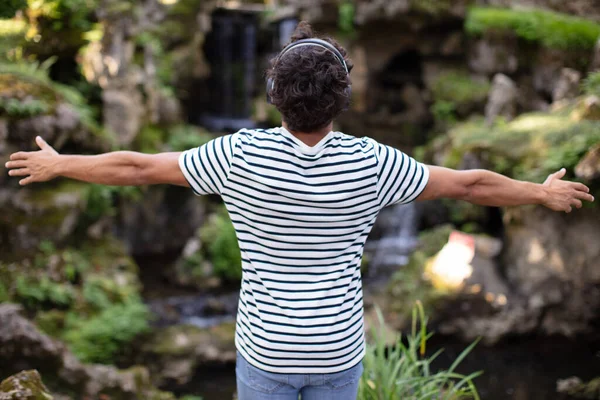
(120,168)
(491,189)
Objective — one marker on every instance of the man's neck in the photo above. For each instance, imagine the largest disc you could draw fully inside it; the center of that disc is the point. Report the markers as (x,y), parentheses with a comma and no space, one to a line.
(311,138)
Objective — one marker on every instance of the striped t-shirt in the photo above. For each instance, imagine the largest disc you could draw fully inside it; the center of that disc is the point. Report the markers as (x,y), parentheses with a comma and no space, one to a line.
(302,215)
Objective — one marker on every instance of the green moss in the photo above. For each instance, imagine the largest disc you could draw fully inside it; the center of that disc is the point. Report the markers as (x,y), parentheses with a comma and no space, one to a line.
(100,338)
(530,147)
(459,88)
(25,385)
(550,29)
(51,322)
(432,7)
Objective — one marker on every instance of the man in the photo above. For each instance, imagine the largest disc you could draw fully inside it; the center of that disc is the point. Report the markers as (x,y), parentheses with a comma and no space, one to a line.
(303,200)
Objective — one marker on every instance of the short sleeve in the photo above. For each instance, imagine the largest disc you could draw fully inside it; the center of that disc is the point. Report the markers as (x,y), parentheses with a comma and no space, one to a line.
(401,179)
(206,168)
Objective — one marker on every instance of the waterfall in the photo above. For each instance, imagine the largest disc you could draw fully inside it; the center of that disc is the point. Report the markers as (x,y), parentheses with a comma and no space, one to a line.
(398,227)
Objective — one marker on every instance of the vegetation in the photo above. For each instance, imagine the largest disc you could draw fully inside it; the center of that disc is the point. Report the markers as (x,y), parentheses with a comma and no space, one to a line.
(550,29)
(456,94)
(403,371)
(9,8)
(591,84)
(101,338)
(222,247)
(346,13)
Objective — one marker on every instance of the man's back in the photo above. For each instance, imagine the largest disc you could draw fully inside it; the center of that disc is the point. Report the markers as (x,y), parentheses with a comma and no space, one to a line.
(302,215)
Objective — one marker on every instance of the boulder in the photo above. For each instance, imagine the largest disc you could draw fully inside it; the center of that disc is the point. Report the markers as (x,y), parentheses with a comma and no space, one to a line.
(123,111)
(587,108)
(589,166)
(26,385)
(488,56)
(174,353)
(34,214)
(502,100)
(23,346)
(567,86)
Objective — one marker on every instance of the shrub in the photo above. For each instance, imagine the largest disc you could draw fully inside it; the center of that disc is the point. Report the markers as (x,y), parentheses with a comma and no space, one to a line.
(9,8)
(101,338)
(460,88)
(222,246)
(39,293)
(402,371)
(591,84)
(550,29)
(23,109)
(184,137)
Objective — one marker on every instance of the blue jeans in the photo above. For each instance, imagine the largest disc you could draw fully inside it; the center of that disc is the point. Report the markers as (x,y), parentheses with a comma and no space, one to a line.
(255,384)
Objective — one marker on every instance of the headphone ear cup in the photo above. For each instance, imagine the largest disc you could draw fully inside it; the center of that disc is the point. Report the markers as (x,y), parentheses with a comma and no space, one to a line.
(269,89)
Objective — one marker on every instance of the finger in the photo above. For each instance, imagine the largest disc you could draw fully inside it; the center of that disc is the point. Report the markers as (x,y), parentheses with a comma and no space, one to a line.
(42,143)
(580,186)
(560,174)
(16,164)
(577,203)
(584,196)
(21,155)
(26,181)
(568,209)
(19,172)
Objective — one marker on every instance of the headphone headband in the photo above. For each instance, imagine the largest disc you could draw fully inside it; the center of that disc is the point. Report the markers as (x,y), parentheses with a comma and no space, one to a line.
(319,43)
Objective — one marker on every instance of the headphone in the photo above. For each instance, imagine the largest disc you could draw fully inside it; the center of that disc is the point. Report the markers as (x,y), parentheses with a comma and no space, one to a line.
(310,42)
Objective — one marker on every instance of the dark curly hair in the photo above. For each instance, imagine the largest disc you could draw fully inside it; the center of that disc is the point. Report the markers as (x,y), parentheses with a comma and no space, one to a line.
(310,83)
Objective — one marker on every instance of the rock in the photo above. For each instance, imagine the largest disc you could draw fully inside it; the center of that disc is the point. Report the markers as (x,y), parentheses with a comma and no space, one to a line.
(567,86)
(589,166)
(34,214)
(23,346)
(588,108)
(174,352)
(123,111)
(551,259)
(489,56)
(576,388)
(164,219)
(502,99)
(3,134)
(26,385)
(547,69)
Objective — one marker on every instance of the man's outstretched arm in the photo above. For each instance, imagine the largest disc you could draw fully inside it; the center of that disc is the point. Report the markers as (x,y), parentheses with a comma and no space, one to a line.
(491,189)
(121,168)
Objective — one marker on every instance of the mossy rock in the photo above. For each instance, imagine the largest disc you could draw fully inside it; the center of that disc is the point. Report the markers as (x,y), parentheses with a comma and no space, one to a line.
(530,147)
(26,385)
(548,28)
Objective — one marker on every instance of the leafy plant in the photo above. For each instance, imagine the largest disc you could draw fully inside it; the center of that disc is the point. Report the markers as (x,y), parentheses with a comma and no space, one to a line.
(346,13)
(101,338)
(40,293)
(403,371)
(222,246)
(591,84)
(184,137)
(9,8)
(550,29)
(23,109)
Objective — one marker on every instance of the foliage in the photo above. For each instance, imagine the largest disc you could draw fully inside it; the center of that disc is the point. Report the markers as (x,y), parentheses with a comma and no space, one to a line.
(346,15)
(221,243)
(100,292)
(3,293)
(12,35)
(432,7)
(550,29)
(149,139)
(591,84)
(9,8)
(190,397)
(100,338)
(16,108)
(444,112)
(404,372)
(51,322)
(36,75)
(528,148)
(184,137)
(64,14)
(39,293)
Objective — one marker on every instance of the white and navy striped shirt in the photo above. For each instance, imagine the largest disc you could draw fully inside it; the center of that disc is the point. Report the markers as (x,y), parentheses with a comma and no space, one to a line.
(302,215)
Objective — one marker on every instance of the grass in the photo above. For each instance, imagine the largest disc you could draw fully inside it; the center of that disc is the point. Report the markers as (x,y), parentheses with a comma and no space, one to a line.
(551,29)
(403,371)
